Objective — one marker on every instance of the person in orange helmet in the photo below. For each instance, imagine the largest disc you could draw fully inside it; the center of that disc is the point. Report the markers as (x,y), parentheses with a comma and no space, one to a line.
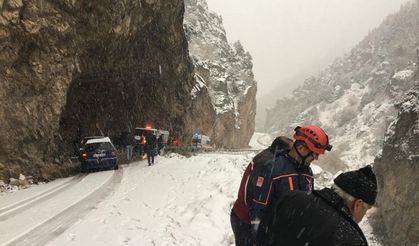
(288,171)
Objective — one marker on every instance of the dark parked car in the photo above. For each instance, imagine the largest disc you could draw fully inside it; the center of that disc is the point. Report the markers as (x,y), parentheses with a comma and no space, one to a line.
(98,153)
(84,140)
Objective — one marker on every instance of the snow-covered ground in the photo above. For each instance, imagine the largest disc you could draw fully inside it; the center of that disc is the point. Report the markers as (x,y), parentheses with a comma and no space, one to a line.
(177,201)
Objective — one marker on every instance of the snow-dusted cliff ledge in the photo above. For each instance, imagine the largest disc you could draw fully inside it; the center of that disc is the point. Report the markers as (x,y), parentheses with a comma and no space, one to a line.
(397,169)
(225,70)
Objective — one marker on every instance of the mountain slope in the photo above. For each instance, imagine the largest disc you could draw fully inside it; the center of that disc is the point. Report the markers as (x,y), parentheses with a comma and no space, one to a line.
(353,99)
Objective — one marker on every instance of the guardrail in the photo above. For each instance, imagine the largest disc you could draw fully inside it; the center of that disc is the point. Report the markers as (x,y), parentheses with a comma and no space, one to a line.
(191,150)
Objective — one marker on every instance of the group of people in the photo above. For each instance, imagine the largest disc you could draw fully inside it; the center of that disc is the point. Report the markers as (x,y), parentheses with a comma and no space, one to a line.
(152,146)
(277,204)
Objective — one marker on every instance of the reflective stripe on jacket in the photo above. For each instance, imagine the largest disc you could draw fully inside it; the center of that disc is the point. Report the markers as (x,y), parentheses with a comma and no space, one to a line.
(269,181)
(240,207)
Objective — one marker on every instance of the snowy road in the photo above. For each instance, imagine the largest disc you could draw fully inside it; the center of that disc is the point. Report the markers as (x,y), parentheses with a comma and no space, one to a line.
(177,201)
(35,216)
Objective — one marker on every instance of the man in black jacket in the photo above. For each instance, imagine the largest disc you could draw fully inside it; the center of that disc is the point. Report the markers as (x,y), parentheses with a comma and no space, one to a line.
(151,147)
(324,217)
(128,142)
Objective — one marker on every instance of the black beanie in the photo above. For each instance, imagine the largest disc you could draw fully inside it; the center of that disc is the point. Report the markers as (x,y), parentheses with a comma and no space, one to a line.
(361,184)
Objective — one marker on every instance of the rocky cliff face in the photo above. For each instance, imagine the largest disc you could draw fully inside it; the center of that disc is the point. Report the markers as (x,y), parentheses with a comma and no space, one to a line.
(75,68)
(353,99)
(397,169)
(225,71)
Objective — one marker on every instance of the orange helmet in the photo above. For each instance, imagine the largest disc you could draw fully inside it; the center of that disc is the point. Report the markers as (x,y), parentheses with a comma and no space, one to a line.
(314,137)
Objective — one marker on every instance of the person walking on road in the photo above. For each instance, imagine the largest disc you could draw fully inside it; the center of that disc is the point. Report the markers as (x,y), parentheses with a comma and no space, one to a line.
(288,171)
(151,147)
(327,217)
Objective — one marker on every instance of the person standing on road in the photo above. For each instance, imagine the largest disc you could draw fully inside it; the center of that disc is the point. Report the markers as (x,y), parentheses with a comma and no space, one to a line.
(151,147)
(128,141)
(328,217)
(289,171)
(160,144)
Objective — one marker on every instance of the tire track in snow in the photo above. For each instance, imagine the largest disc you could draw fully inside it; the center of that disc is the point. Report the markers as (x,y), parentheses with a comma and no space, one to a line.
(17,207)
(56,225)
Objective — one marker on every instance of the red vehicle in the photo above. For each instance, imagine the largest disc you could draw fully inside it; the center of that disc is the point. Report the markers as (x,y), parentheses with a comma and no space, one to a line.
(139,135)
(141,132)
(175,141)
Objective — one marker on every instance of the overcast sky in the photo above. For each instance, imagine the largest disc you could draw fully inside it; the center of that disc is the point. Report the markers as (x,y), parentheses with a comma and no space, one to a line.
(286,37)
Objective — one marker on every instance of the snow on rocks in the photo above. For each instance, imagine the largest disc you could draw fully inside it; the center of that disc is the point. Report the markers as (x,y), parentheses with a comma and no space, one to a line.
(200,83)
(22,177)
(228,67)
(8,187)
(410,102)
(403,75)
(16,184)
(322,178)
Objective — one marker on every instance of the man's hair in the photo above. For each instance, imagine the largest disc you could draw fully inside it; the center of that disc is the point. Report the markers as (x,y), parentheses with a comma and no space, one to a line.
(280,143)
(298,143)
(348,199)
(345,196)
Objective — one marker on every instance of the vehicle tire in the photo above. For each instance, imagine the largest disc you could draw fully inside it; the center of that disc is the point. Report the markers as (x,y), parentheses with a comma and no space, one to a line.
(83,169)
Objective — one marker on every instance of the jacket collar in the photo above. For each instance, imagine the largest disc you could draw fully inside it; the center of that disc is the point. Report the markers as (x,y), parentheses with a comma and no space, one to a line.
(298,166)
(333,199)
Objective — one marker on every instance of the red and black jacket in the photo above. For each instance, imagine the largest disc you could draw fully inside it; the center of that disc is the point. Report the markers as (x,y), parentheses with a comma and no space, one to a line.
(240,207)
(264,181)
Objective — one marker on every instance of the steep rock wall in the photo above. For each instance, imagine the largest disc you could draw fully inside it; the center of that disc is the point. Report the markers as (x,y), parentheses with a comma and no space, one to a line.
(396,220)
(225,70)
(74,68)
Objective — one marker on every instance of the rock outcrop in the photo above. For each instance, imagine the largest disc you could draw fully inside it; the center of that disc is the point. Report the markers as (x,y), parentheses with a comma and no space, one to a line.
(225,71)
(397,169)
(74,68)
(70,69)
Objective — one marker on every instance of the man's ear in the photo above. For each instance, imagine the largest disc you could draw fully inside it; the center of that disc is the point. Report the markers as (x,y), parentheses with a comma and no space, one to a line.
(358,204)
(301,148)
